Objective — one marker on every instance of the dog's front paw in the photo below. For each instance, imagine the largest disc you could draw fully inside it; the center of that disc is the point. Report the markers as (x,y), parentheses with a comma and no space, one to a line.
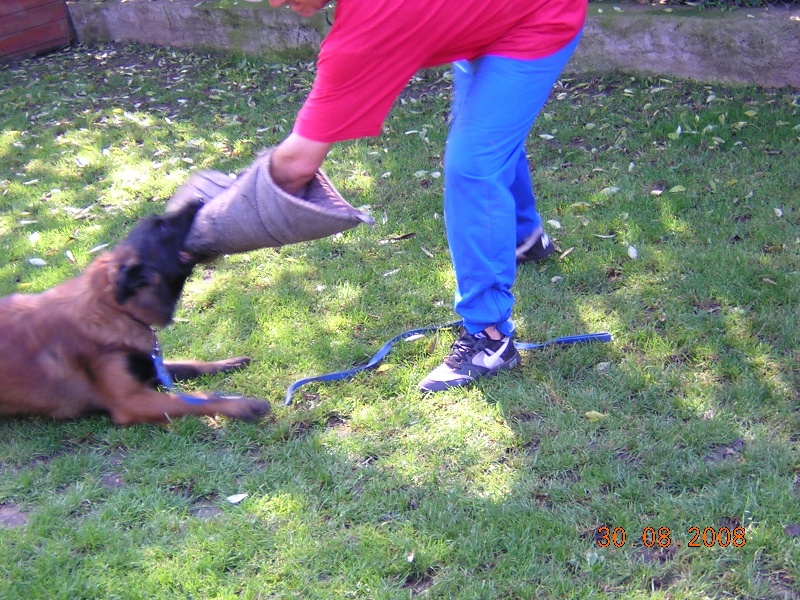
(232,364)
(244,407)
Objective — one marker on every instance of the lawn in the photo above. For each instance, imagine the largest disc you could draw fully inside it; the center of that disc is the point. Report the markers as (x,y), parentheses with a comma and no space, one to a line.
(663,464)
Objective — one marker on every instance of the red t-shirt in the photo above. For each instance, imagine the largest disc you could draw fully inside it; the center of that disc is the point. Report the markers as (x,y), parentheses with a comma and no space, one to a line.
(375,46)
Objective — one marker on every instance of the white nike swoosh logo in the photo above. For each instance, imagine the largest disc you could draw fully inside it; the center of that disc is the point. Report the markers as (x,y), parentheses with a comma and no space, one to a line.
(490,361)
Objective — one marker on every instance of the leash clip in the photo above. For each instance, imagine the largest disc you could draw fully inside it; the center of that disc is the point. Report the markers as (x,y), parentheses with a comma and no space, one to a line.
(164,378)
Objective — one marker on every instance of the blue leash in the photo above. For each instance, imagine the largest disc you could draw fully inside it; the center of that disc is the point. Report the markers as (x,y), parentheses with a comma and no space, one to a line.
(583,338)
(165,379)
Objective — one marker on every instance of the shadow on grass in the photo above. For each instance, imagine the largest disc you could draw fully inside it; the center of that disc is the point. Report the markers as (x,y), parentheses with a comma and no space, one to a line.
(363,488)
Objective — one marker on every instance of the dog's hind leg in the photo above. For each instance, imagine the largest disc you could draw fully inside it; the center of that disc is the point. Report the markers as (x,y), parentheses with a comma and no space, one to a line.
(182,370)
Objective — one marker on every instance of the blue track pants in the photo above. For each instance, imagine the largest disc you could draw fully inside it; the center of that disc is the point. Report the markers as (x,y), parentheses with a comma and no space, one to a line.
(489,205)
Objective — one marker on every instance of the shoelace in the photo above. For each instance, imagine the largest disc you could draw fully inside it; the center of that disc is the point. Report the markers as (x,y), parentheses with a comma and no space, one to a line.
(462,349)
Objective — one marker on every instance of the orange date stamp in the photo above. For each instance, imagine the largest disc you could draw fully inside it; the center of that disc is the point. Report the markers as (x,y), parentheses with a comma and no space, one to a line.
(662,537)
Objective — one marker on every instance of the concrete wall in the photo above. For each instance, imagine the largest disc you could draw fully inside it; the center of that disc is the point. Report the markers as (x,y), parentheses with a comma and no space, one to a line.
(760,47)
(194,24)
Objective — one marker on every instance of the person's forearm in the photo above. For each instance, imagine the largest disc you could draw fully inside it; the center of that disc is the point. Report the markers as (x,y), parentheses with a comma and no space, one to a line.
(295,161)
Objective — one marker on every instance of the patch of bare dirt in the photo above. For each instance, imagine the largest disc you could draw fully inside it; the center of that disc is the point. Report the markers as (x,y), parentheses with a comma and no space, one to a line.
(12,516)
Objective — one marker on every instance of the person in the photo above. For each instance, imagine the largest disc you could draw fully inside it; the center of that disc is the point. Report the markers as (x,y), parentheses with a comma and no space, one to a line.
(506,57)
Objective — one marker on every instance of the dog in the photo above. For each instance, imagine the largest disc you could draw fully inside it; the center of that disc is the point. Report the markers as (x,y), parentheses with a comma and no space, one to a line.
(89,345)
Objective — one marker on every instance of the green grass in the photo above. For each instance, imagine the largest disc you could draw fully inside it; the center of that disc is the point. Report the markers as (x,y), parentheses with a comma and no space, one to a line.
(362,488)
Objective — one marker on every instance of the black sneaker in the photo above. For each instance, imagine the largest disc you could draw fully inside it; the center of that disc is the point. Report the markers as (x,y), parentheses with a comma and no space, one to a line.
(471,357)
(536,247)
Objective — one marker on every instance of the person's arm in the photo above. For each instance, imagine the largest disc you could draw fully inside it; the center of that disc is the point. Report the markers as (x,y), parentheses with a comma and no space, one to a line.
(295,161)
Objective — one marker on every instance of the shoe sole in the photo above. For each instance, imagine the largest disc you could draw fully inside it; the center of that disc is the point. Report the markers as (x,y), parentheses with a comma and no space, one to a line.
(548,252)
(509,365)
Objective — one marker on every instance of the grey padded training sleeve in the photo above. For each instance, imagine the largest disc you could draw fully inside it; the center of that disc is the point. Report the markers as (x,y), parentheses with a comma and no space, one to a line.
(252,212)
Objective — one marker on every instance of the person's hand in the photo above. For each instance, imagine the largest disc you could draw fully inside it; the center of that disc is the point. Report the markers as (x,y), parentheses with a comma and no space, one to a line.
(295,161)
(305,8)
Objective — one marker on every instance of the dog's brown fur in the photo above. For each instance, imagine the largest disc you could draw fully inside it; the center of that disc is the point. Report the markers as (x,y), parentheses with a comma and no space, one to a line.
(85,346)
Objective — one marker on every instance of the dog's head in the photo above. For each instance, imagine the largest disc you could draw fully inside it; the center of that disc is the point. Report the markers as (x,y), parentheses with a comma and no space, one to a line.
(153,266)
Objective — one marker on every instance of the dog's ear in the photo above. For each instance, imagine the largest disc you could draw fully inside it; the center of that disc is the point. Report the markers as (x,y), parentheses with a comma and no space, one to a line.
(130,279)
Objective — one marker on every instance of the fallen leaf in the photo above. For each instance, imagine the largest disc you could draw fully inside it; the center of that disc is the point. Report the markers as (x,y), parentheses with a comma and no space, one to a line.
(676,134)
(677,189)
(397,238)
(594,416)
(432,344)
(554,224)
(37,262)
(236,498)
(633,253)
(592,558)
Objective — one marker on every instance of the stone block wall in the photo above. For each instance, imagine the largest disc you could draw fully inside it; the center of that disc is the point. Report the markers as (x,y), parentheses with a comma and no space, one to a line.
(760,47)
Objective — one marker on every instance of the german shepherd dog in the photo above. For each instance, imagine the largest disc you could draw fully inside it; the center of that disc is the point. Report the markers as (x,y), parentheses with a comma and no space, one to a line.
(87,345)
